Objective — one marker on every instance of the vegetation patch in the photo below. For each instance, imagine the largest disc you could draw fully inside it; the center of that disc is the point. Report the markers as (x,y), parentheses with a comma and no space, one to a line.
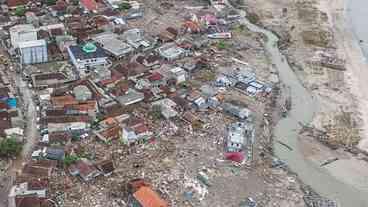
(124,6)
(20,11)
(155,112)
(253,18)
(10,147)
(70,159)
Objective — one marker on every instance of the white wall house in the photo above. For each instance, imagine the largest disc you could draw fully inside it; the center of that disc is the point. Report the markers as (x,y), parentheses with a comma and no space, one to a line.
(32,52)
(21,33)
(57,127)
(179,74)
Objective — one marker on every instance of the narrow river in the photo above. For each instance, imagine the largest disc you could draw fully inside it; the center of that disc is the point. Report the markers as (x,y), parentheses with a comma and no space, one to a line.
(303,109)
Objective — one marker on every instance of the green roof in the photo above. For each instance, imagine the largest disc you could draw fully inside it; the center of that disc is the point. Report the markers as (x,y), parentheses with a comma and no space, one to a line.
(89,48)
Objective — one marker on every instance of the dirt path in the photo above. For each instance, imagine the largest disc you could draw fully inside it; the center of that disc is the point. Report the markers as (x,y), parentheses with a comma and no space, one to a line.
(31,138)
(31,132)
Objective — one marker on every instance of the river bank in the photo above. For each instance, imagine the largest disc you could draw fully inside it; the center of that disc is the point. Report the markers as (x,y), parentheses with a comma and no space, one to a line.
(343,180)
(350,30)
(348,169)
(351,169)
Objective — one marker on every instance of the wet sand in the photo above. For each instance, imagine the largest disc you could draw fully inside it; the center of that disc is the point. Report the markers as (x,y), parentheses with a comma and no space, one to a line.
(341,14)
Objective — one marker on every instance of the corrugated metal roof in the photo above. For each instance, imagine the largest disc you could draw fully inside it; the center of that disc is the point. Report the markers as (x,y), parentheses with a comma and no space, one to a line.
(33,43)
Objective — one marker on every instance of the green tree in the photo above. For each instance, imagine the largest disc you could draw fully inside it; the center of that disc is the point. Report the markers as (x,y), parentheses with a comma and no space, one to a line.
(20,11)
(70,159)
(75,2)
(124,6)
(10,147)
(253,18)
(50,2)
(156,112)
(221,45)
(242,27)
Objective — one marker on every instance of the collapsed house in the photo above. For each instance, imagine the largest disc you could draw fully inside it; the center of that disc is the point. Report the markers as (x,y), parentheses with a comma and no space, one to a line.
(84,169)
(171,52)
(237,111)
(239,134)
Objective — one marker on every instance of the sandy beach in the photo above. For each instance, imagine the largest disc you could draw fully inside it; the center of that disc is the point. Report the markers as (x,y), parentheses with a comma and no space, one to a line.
(356,74)
(347,169)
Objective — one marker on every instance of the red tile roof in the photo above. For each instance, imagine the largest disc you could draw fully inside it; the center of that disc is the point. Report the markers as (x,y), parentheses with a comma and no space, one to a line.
(148,198)
(112,132)
(90,5)
(140,129)
(155,77)
(31,201)
(68,119)
(36,171)
(61,5)
(83,167)
(3,106)
(83,106)
(38,184)
(14,3)
(192,26)
(63,100)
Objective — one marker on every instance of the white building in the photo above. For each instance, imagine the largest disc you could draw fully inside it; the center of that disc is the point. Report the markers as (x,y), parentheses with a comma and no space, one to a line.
(135,38)
(88,55)
(113,45)
(179,74)
(51,27)
(170,51)
(236,137)
(21,33)
(114,4)
(167,107)
(32,52)
(59,127)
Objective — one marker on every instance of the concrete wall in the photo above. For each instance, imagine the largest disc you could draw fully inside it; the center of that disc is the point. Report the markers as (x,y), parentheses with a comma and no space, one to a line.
(32,55)
(17,37)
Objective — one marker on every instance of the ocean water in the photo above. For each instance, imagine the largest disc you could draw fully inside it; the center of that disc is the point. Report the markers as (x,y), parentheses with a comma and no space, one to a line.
(357,16)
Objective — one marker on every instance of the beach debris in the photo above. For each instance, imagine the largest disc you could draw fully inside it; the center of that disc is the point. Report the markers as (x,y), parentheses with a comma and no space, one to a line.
(329,161)
(249,202)
(277,163)
(203,177)
(235,156)
(285,145)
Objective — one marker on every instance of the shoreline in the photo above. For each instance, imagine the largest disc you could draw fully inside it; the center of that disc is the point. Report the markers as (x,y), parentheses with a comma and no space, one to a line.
(356,65)
(349,169)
